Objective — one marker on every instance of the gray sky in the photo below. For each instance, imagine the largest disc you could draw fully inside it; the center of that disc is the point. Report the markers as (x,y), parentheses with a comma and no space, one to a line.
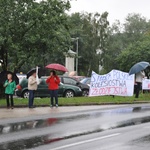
(117,9)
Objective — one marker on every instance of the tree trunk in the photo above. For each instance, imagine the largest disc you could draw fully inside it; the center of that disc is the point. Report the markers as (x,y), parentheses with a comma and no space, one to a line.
(4,56)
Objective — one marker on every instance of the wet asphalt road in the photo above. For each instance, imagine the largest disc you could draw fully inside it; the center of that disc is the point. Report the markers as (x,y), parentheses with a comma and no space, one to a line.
(121,128)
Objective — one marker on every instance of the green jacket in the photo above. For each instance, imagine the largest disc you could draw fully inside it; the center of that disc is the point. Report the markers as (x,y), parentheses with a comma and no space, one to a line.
(9,87)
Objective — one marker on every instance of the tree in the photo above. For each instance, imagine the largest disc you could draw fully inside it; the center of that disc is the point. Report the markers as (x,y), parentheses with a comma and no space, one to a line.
(92,32)
(115,44)
(120,36)
(136,52)
(32,32)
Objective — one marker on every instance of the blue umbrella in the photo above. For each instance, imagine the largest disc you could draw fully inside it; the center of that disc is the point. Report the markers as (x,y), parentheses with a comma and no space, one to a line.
(139,67)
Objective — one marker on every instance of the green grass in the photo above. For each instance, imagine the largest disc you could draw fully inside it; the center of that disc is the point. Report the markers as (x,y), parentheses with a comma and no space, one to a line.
(82,100)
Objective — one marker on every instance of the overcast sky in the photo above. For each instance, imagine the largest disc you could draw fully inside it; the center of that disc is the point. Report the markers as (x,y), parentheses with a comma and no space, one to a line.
(117,9)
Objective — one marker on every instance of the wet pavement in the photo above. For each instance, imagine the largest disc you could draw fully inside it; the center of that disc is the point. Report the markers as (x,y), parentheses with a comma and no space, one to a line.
(25,112)
(57,125)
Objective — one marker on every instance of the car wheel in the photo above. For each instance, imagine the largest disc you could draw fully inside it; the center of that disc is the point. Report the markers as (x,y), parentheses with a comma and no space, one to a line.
(26,94)
(85,93)
(69,93)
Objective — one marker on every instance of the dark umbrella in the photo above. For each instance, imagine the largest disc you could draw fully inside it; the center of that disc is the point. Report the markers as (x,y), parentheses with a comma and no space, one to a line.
(33,70)
(57,67)
(138,67)
(3,77)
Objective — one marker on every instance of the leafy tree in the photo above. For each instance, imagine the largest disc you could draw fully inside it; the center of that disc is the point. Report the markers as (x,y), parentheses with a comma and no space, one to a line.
(136,52)
(121,36)
(114,46)
(32,32)
(92,33)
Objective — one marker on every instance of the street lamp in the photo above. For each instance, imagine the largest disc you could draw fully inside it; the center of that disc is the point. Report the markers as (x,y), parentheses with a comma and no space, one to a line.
(77,51)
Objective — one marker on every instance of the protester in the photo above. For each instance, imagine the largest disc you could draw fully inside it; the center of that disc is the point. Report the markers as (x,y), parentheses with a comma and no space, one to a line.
(53,83)
(10,87)
(32,86)
(138,79)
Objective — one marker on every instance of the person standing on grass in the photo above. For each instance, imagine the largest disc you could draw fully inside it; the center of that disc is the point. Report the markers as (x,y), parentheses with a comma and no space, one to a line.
(10,87)
(32,86)
(138,79)
(53,85)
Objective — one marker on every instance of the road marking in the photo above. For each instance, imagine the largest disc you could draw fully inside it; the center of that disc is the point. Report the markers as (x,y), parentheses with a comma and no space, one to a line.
(86,141)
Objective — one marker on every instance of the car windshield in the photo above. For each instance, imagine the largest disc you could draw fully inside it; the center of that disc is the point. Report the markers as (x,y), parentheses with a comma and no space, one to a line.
(86,81)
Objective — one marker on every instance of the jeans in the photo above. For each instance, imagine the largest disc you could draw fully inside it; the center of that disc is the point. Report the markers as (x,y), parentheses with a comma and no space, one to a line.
(31,97)
(54,93)
(138,88)
(11,98)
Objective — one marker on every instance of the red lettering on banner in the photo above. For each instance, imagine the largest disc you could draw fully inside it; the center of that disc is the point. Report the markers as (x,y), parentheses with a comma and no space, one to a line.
(109,91)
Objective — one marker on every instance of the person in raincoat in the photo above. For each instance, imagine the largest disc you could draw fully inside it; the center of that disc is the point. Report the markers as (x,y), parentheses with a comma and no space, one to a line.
(53,85)
(32,87)
(138,79)
(10,87)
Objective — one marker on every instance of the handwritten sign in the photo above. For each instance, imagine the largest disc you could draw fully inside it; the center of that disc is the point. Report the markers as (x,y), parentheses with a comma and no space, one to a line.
(114,83)
(146,84)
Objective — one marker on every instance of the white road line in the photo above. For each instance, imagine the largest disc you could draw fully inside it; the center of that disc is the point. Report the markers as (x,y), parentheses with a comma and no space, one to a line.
(86,141)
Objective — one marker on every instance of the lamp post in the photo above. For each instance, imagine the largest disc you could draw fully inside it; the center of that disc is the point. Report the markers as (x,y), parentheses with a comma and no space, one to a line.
(77,52)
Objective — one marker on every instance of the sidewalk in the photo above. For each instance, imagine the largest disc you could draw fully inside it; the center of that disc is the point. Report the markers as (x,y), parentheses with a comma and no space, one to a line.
(24,112)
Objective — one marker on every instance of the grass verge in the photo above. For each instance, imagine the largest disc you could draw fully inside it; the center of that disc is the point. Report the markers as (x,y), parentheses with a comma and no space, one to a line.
(81,100)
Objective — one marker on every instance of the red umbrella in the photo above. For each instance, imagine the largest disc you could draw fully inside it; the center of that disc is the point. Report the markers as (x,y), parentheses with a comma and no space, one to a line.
(58,67)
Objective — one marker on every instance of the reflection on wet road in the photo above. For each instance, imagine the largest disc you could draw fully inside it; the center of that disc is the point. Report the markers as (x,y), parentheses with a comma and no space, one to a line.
(14,127)
(56,129)
(143,140)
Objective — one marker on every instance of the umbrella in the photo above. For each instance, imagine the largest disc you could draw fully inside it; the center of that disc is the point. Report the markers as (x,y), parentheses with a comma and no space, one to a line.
(138,67)
(3,77)
(33,70)
(57,67)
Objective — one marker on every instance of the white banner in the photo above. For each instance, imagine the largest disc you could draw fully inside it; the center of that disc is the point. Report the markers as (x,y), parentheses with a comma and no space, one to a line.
(114,83)
(146,84)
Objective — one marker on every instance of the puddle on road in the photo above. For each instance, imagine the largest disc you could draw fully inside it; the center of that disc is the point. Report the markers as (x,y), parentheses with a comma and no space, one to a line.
(27,144)
(35,124)
(47,139)
(14,127)
(132,122)
(39,141)
(128,110)
(20,126)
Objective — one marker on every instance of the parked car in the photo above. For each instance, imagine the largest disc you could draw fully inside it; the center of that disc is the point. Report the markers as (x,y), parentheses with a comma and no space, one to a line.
(42,91)
(78,78)
(72,81)
(21,77)
(86,81)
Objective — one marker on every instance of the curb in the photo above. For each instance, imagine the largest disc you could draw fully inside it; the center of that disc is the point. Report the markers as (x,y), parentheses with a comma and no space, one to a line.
(86,104)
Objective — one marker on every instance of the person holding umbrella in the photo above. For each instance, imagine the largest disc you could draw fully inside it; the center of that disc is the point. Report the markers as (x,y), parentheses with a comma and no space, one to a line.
(10,86)
(53,85)
(138,79)
(137,69)
(32,86)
